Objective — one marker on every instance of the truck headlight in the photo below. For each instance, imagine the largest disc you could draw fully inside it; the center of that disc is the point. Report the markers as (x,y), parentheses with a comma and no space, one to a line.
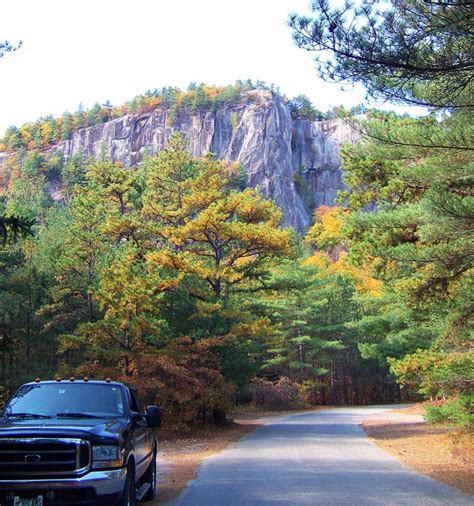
(106,456)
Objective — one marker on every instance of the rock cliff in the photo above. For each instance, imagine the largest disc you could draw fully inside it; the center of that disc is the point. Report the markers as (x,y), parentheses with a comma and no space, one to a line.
(315,154)
(258,133)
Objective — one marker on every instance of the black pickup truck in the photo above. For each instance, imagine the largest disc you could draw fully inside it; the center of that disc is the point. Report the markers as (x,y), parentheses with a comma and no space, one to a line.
(77,443)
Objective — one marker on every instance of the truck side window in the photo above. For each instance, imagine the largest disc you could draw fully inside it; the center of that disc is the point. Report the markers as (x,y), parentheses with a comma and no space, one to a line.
(134,404)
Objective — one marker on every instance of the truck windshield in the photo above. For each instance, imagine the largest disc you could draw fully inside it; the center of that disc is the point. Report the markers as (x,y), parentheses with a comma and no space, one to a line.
(71,399)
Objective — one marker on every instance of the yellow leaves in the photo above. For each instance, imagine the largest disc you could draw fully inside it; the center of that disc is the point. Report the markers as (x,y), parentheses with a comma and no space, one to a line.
(206,309)
(209,229)
(190,233)
(407,285)
(222,242)
(319,260)
(260,327)
(112,178)
(59,123)
(153,102)
(244,216)
(118,226)
(326,234)
(212,92)
(45,132)
(25,132)
(369,284)
(243,261)
(326,231)
(117,111)
(208,183)
(130,287)
(363,281)
(164,258)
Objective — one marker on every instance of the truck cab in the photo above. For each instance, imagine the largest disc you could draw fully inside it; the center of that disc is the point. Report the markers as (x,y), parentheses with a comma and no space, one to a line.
(77,442)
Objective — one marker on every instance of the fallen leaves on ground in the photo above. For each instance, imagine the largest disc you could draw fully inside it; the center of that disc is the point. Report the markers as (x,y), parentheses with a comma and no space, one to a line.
(440,452)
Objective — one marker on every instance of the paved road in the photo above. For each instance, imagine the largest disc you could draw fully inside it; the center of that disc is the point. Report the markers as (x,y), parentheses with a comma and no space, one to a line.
(321,458)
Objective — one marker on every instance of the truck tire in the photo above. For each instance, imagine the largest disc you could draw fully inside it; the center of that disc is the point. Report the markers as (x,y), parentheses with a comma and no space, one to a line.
(129,496)
(150,477)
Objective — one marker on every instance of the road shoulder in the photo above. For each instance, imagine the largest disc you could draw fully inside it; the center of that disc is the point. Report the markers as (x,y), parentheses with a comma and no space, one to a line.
(438,452)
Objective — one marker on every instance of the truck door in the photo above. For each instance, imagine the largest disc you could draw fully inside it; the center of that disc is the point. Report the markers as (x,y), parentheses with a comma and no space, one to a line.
(141,437)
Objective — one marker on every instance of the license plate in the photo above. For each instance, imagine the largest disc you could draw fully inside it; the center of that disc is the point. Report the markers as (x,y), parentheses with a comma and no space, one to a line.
(31,501)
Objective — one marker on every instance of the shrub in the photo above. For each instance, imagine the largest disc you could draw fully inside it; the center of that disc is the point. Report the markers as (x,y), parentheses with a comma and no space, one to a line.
(283,394)
(303,189)
(458,411)
(234,120)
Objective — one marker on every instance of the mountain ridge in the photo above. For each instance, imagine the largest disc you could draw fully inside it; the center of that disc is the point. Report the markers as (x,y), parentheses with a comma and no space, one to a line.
(294,161)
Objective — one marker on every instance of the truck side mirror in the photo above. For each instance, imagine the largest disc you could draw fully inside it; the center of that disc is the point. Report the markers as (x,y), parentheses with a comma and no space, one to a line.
(153,416)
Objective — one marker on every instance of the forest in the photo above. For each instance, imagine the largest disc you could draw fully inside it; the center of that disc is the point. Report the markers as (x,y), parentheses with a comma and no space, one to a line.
(173,277)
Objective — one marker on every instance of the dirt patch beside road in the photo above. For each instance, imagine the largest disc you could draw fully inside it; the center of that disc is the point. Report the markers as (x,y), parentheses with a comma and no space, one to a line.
(439,452)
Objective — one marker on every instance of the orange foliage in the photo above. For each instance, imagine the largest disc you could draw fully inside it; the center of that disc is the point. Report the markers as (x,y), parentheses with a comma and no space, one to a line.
(183,378)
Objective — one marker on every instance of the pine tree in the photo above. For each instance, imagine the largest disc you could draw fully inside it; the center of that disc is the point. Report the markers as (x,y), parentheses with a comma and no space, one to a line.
(417,174)
(207,228)
(306,331)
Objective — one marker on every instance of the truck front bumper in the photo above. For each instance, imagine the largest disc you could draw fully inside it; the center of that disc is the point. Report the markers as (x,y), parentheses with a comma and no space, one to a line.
(95,487)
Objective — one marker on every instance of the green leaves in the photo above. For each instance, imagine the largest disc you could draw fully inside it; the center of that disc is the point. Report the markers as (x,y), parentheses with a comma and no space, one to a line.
(415,175)
(205,227)
(409,51)
(307,321)
(13,227)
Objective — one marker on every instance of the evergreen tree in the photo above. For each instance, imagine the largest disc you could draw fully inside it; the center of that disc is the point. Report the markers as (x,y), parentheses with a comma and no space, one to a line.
(416,173)
(67,126)
(305,329)
(208,229)
(411,51)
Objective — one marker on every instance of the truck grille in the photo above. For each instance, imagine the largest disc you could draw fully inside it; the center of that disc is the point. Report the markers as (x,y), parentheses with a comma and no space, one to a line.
(43,457)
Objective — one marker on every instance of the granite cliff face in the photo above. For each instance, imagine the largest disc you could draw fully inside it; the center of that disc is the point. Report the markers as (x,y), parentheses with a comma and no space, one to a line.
(259,133)
(315,154)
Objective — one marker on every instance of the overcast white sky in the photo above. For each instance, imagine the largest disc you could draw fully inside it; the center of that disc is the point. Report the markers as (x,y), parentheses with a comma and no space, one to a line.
(83,51)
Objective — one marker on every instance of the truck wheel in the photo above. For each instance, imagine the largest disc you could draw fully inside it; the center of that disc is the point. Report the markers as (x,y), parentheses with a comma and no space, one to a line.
(150,477)
(129,496)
